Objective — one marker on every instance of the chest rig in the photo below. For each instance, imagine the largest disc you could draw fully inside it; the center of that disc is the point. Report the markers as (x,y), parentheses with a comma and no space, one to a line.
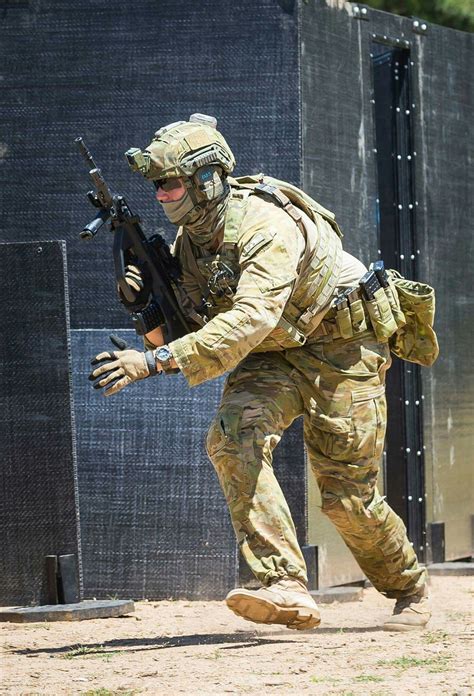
(319,269)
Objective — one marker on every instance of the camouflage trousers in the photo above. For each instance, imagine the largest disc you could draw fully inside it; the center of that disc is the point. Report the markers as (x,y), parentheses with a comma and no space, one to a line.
(338,388)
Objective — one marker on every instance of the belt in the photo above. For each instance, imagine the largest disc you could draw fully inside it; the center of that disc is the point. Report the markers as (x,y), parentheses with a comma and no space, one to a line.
(327,330)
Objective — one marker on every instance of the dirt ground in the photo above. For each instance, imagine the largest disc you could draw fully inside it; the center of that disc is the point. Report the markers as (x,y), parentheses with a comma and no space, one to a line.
(175,647)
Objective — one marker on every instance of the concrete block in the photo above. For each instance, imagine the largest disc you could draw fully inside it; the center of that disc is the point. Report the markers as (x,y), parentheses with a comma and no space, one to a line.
(451,568)
(94,609)
(345,593)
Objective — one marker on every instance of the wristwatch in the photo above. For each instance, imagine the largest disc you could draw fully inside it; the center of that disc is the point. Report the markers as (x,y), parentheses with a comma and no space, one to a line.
(164,356)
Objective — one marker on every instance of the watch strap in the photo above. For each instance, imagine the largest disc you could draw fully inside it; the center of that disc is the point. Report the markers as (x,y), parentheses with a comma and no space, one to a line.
(151,363)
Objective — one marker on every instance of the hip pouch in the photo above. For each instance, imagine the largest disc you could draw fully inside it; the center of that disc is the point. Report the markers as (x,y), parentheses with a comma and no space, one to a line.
(416,340)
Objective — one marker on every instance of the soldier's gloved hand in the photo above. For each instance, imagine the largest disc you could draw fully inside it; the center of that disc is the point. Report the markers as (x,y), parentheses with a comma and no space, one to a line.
(118,369)
(138,282)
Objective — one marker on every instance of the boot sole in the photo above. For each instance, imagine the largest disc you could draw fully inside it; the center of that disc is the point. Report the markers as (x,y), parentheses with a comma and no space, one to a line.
(246,605)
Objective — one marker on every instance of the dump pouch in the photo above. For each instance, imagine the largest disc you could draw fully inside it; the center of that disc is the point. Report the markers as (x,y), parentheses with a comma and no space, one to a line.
(416,340)
(381,316)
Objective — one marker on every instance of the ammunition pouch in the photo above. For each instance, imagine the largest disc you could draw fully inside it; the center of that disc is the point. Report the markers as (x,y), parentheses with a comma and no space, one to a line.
(415,340)
(358,318)
(381,315)
(343,322)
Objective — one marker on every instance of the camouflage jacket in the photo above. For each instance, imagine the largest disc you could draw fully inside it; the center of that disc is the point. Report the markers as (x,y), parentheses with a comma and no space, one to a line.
(258,286)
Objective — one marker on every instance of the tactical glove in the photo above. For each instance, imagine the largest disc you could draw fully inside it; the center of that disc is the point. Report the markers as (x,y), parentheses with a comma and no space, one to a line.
(118,369)
(138,281)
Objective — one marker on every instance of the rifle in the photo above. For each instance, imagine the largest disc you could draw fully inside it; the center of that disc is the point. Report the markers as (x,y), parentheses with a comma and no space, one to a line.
(160,307)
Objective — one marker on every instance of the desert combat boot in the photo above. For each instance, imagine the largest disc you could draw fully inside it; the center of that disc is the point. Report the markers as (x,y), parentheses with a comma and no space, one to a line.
(286,601)
(410,612)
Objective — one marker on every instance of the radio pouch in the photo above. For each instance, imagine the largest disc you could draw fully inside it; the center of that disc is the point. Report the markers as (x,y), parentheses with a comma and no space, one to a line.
(416,341)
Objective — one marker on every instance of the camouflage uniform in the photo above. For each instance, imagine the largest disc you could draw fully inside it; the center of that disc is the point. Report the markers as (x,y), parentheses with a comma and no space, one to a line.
(337,385)
(262,263)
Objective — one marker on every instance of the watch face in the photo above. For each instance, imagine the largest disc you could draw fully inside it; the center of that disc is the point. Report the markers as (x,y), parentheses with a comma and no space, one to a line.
(163,354)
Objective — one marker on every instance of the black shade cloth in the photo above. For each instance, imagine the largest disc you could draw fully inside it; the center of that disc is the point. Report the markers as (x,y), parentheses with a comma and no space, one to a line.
(154,520)
(38,511)
(291,86)
(114,73)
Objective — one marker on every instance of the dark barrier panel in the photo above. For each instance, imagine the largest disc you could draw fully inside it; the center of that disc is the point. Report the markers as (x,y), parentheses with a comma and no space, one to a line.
(290,469)
(114,72)
(153,518)
(291,84)
(38,512)
(432,214)
(446,210)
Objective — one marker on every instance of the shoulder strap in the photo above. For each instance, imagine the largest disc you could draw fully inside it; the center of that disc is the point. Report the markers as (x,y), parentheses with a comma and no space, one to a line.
(188,252)
(296,196)
(283,201)
(235,213)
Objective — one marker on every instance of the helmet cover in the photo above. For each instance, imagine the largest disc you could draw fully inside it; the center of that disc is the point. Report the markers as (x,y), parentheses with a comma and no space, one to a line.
(195,151)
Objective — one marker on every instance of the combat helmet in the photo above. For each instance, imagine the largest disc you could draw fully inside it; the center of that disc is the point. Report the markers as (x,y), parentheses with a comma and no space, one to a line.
(193,150)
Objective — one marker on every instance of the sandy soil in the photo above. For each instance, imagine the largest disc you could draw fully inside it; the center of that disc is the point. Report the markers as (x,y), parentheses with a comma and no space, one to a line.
(201,648)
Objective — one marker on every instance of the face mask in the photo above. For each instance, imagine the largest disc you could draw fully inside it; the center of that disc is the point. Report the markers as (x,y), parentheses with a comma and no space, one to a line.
(177,211)
(204,225)
(202,219)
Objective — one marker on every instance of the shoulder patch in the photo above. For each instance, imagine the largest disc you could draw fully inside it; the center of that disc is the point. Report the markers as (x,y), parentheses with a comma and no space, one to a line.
(255,243)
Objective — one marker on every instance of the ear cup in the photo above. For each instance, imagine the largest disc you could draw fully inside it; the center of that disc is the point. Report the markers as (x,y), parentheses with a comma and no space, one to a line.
(209,182)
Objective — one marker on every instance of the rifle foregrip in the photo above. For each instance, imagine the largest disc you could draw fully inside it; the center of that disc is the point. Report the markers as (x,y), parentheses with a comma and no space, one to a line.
(93,227)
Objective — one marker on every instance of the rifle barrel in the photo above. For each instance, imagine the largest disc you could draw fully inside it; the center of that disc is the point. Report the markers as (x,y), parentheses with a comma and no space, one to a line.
(85,153)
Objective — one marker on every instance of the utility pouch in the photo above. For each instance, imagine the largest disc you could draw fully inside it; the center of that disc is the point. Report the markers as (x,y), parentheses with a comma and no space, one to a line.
(416,340)
(343,320)
(381,315)
(358,320)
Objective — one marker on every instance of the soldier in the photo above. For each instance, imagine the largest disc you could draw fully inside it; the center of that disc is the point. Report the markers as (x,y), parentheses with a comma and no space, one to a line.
(261,273)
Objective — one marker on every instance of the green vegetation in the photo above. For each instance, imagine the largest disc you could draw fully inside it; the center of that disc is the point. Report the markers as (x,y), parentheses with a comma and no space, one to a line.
(368,678)
(458,14)
(79,651)
(107,692)
(437,664)
(86,651)
(215,655)
(435,637)
(324,680)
